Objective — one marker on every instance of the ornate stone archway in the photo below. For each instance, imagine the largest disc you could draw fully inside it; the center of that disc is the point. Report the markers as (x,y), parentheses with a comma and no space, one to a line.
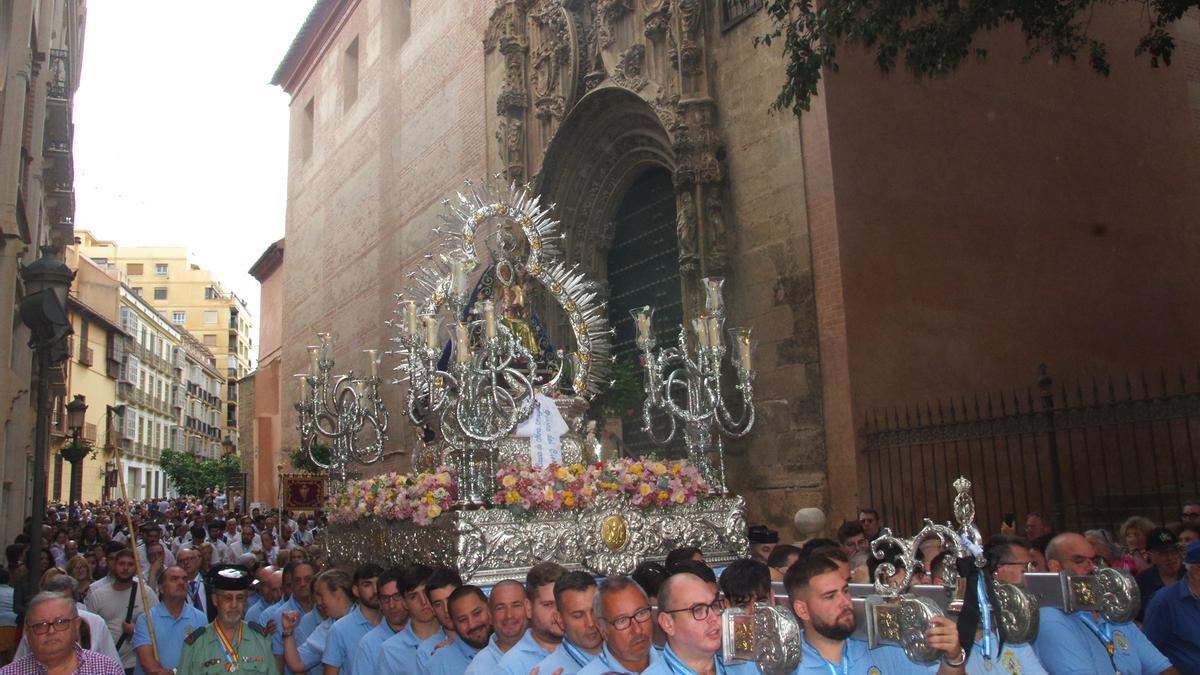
(588,94)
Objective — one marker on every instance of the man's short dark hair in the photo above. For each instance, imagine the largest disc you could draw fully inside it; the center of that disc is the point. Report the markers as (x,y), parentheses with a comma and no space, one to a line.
(868,509)
(650,575)
(572,581)
(745,579)
(442,577)
(367,571)
(541,574)
(999,548)
(390,575)
(681,554)
(780,554)
(694,567)
(819,545)
(804,570)
(217,524)
(112,547)
(289,570)
(122,553)
(849,530)
(462,592)
(413,577)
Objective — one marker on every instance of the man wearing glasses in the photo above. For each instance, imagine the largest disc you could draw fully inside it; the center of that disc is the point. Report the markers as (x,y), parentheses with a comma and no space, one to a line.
(690,615)
(623,615)
(1191,513)
(1083,642)
(52,628)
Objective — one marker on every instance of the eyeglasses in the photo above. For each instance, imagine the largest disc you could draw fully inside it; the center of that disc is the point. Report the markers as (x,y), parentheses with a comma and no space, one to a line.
(394,597)
(43,627)
(1029,566)
(1189,516)
(623,622)
(700,611)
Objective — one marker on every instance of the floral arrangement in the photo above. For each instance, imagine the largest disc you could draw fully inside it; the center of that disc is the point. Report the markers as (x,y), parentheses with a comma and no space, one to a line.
(646,482)
(396,496)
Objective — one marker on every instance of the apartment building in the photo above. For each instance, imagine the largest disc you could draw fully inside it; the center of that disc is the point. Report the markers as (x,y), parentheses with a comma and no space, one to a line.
(202,408)
(190,299)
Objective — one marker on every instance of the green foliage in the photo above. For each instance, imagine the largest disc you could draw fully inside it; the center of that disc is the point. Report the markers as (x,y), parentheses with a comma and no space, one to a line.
(300,459)
(623,398)
(935,36)
(192,476)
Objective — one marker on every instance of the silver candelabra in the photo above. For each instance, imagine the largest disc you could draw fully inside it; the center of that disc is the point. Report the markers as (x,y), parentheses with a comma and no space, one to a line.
(684,381)
(485,389)
(338,408)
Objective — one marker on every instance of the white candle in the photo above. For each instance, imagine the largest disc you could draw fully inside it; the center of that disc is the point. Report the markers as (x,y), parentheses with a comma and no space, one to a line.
(743,348)
(701,333)
(430,323)
(461,336)
(458,277)
(714,303)
(302,380)
(408,317)
(372,362)
(712,330)
(489,318)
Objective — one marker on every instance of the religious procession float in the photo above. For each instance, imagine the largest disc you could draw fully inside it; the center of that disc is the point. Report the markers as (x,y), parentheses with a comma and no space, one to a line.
(509,473)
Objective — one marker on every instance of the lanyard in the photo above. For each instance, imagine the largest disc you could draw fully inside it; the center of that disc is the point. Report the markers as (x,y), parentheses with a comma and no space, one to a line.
(985,615)
(580,657)
(811,652)
(231,653)
(680,667)
(1105,632)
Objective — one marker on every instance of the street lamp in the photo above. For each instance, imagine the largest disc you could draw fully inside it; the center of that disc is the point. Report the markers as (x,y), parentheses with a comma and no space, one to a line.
(44,311)
(77,449)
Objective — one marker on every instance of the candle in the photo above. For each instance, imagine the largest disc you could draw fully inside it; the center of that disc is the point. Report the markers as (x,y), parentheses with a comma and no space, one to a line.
(642,321)
(713,302)
(314,356)
(302,380)
(712,331)
(743,348)
(430,324)
(458,277)
(326,347)
(372,362)
(460,335)
(489,319)
(701,333)
(408,317)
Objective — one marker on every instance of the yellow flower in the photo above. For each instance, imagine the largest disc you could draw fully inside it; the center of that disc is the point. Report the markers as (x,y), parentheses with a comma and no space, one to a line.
(429,499)
(678,497)
(644,489)
(569,499)
(636,469)
(548,493)
(435,511)
(576,469)
(662,495)
(443,479)
(512,497)
(658,468)
(509,481)
(562,474)
(676,468)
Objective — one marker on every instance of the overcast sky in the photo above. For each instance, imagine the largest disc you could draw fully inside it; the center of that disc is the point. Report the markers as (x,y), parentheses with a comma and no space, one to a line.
(179,140)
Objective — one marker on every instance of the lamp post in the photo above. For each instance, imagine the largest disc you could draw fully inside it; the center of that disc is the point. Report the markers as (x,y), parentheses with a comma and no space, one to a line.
(44,311)
(77,449)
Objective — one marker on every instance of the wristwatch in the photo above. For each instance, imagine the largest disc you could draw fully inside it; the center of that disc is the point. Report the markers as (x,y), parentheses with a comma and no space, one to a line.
(958,660)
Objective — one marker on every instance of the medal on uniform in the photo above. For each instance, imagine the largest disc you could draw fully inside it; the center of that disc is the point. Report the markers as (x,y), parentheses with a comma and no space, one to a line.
(231,652)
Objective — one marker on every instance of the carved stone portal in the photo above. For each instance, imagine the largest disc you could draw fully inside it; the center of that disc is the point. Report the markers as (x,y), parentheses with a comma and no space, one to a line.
(559,70)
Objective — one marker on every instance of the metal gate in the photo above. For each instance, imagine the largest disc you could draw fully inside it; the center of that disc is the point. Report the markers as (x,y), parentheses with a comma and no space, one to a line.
(1086,454)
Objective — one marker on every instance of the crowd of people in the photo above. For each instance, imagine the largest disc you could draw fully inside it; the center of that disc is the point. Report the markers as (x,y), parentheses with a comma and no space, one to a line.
(201,589)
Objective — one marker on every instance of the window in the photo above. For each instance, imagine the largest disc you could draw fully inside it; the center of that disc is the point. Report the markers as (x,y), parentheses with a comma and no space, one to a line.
(102,262)
(133,269)
(210,340)
(210,293)
(160,269)
(160,293)
(350,75)
(210,317)
(178,317)
(397,16)
(306,130)
(137,290)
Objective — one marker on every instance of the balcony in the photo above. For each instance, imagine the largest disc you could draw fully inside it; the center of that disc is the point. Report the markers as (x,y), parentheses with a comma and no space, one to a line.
(58,88)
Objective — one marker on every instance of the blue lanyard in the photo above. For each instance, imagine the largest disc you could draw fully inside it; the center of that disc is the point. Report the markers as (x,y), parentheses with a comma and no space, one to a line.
(580,657)
(1103,630)
(811,652)
(985,613)
(678,666)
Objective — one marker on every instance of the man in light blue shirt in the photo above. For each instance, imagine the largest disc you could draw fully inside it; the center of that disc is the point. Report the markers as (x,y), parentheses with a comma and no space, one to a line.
(395,616)
(507,604)
(270,590)
(624,618)
(818,589)
(398,654)
(573,594)
(348,630)
(544,634)
(1083,642)
(301,574)
(441,584)
(468,608)
(173,618)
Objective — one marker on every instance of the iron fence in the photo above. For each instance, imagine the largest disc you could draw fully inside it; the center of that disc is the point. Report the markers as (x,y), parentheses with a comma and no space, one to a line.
(1084,454)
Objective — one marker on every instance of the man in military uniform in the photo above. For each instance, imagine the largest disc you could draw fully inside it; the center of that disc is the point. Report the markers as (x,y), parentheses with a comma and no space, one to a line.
(228,644)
